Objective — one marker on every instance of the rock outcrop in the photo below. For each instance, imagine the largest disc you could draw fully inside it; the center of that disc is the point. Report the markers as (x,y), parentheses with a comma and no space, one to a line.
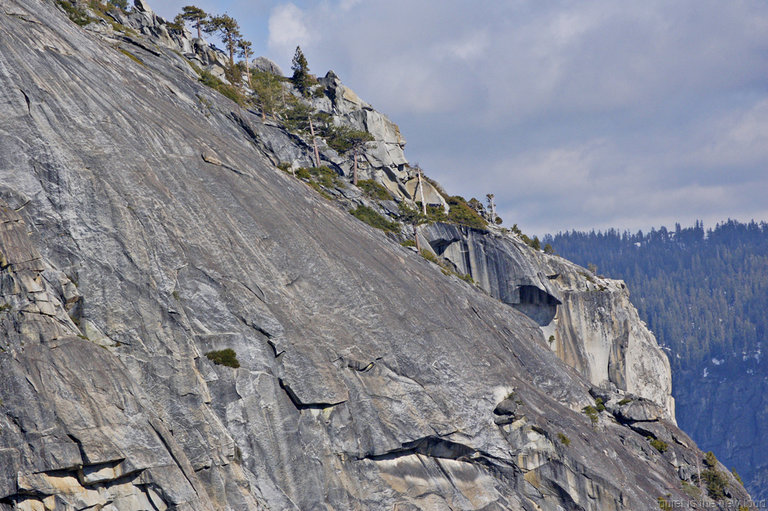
(587,320)
(143,225)
(382,159)
(266,65)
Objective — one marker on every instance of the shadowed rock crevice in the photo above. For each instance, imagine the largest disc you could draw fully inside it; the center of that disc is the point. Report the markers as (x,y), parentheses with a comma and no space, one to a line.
(305,406)
(537,304)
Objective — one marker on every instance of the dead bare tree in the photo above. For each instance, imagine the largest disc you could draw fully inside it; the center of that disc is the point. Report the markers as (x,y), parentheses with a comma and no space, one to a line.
(421,191)
(314,143)
(357,139)
(491,206)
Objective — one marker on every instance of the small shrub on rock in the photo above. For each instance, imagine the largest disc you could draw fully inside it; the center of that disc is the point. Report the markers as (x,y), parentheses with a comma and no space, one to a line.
(225,357)
(599,404)
(429,256)
(715,482)
(372,218)
(209,80)
(591,412)
(373,189)
(659,445)
(76,14)
(324,176)
(462,213)
(466,278)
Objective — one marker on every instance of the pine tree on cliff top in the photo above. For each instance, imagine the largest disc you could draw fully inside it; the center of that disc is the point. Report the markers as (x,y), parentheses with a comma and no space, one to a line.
(194,15)
(301,77)
(229,31)
(244,50)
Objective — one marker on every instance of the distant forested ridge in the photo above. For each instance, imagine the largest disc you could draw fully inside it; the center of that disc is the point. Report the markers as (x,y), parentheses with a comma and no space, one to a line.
(704,294)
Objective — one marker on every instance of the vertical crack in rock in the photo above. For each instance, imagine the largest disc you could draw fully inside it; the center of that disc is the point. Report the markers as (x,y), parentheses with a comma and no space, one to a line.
(26,99)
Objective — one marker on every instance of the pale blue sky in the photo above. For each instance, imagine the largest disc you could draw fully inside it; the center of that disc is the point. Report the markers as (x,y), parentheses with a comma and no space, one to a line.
(575,114)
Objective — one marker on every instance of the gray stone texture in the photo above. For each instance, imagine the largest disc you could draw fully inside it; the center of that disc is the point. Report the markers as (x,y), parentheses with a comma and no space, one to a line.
(143,224)
(593,326)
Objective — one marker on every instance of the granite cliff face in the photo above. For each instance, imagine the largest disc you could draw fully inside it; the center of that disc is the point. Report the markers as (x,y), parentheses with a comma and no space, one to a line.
(586,320)
(143,223)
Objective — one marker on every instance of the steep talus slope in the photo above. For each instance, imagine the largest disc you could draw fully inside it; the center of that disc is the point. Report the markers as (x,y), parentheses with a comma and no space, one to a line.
(142,228)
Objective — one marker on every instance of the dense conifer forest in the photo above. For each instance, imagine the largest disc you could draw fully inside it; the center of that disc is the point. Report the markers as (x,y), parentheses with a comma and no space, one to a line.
(704,294)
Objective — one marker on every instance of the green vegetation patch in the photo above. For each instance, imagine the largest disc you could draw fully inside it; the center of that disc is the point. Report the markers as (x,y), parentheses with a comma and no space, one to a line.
(533,243)
(591,412)
(319,189)
(319,178)
(225,357)
(76,14)
(372,218)
(564,439)
(108,10)
(459,213)
(445,267)
(324,176)
(209,80)
(691,490)
(229,91)
(462,213)
(599,405)
(714,480)
(194,67)
(343,138)
(373,189)
(232,93)
(132,56)
(466,278)
(429,256)
(659,445)
(409,215)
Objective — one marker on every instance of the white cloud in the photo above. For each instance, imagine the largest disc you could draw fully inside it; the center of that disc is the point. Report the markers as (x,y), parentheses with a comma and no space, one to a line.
(346,5)
(743,139)
(287,29)
(470,47)
(583,114)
